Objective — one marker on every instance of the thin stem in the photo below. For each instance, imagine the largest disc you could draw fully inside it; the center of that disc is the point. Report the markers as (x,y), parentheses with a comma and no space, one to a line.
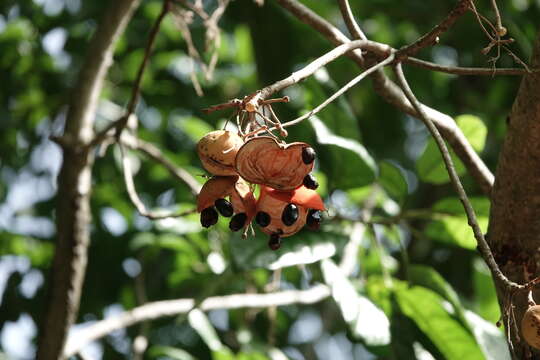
(338,93)
(501,30)
(308,70)
(120,124)
(134,197)
(431,37)
(389,91)
(483,246)
(456,70)
(154,153)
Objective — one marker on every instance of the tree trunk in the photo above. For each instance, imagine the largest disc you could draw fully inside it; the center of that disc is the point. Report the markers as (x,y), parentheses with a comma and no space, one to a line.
(514,226)
(74,183)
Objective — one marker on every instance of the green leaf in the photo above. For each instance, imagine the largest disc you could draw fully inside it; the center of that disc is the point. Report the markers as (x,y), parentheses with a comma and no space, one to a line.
(367,321)
(452,226)
(191,126)
(304,248)
(243,42)
(429,278)
(350,159)
(426,309)
(474,130)
(392,180)
(430,165)
(485,296)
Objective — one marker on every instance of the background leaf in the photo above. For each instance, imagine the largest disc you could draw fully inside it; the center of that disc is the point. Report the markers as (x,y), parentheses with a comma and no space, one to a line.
(426,309)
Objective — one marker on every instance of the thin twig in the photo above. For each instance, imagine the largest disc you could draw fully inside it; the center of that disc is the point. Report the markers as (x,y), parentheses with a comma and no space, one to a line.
(456,70)
(483,246)
(501,30)
(136,89)
(155,154)
(389,91)
(338,93)
(431,37)
(308,70)
(134,197)
(160,309)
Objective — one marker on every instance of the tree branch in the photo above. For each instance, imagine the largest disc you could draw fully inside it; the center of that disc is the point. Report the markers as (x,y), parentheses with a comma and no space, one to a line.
(296,77)
(389,91)
(159,309)
(483,246)
(154,153)
(342,90)
(456,70)
(74,184)
(121,123)
(432,37)
(134,197)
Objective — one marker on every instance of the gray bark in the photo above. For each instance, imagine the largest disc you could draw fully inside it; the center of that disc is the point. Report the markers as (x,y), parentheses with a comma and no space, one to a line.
(514,227)
(74,184)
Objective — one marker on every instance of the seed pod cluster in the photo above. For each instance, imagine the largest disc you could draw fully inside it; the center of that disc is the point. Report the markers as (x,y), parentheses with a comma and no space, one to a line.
(287,199)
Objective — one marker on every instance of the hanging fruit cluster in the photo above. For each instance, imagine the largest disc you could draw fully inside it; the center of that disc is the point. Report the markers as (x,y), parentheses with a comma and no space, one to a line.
(287,199)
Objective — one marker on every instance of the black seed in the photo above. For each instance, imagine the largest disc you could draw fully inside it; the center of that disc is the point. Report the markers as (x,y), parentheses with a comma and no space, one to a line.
(313,219)
(310,182)
(308,155)
(262,219)
(275,242)
(289,215)
(238,221)
(209,217)
(224,207)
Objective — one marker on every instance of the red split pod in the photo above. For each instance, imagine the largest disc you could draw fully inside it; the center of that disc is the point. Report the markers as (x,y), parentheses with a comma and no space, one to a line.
(263,160)
(285,212)
(213,199)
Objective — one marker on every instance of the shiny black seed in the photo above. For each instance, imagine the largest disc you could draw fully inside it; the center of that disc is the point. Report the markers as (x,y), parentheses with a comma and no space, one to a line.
(224,207)
(289,215)
(310,182)
(262,219)
(238,221)
(308,155)
(209,217)
(275,242)
(313,219)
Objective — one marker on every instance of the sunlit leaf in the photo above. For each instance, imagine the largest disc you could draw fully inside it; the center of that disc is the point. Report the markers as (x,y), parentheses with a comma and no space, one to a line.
(426,309)
(430,165)
(474,130)
(366,320)
(452,225)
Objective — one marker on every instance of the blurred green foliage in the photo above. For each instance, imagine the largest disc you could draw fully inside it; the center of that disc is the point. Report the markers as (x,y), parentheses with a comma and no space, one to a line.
(418,275)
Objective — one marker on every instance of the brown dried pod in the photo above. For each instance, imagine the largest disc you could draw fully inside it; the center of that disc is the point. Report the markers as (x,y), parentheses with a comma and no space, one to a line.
(530,326)
(217,151)
(263,160)
(214,193)
(285,212)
